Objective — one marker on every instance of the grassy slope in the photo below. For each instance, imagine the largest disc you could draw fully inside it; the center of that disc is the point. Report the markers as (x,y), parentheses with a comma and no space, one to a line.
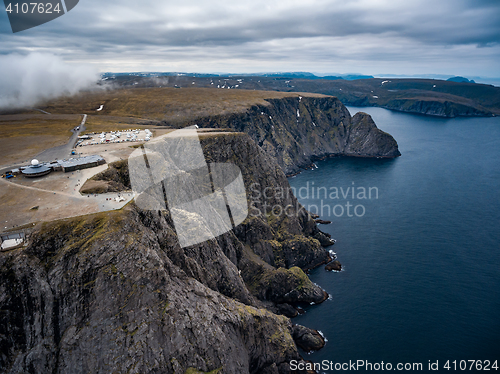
(174,105)
(478,95)
(484,98)
(26,133)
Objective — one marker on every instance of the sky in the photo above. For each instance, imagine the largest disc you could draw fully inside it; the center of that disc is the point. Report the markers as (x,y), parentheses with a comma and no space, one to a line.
(376,37)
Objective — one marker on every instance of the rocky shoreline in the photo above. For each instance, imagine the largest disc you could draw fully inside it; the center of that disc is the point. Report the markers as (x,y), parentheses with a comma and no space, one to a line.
(296,131)
(114,291)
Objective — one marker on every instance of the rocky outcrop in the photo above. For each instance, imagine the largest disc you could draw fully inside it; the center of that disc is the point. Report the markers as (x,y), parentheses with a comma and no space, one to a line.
(114,291)
(114,179)
(365,139)
(323,222)
(308,339)
(438,108)
(295,131)
(334,265)
(286,286)
(100,294)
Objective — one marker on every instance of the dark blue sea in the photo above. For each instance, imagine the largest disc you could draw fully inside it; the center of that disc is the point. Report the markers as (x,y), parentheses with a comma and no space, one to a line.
(421,277)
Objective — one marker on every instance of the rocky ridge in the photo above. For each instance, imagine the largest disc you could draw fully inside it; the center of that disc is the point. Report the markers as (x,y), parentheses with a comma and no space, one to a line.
(114,292)
(296,131)
(432,97)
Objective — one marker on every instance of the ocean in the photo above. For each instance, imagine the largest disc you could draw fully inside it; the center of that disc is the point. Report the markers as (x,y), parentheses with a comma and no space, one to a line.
(421,253)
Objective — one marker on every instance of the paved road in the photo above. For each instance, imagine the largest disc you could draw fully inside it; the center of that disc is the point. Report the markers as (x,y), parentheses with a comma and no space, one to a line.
(62,151)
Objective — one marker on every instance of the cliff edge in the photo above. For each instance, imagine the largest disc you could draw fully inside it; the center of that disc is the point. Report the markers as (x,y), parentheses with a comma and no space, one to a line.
(296,131)
(114,291)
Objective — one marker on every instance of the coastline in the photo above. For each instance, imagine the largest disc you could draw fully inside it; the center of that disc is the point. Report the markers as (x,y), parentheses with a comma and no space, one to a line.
(258,268)
(400,284)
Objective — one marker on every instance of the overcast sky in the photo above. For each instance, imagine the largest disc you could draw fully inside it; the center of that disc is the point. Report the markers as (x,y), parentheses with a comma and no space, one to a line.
(456,37)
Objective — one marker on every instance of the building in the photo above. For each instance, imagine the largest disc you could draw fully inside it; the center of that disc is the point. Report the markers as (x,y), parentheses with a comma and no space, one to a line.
(80,163)
(36,169)
(55,166)
(11,240)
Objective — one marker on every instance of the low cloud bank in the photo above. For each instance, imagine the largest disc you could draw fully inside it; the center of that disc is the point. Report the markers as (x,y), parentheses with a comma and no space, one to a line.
(25,80)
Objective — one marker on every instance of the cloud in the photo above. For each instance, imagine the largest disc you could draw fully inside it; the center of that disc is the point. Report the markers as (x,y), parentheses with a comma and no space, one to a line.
(28,79)
(258,35)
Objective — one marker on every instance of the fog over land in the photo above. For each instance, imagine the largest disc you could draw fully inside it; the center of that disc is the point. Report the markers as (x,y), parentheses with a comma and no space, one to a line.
(28,79)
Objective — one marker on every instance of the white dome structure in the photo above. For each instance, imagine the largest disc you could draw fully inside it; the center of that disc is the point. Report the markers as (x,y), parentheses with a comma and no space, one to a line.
(36,169)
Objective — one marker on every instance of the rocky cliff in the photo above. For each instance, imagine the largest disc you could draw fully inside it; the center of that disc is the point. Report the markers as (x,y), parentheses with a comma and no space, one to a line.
(423,96)
(114,292)
(437,107)
(295,131)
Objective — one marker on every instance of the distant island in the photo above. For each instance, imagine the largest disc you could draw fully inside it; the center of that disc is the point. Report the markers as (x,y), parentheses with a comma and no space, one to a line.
(460,80)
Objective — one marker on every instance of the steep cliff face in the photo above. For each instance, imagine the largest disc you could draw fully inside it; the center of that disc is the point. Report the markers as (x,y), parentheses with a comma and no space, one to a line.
(114,292)
(100,294)
(365,138)
(438,108)
(297,130)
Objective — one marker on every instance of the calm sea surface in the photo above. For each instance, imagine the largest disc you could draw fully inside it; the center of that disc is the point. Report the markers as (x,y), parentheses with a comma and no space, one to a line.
(421,278)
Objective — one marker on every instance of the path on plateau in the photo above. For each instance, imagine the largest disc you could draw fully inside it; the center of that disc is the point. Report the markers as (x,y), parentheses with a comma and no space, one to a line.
(62,151)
